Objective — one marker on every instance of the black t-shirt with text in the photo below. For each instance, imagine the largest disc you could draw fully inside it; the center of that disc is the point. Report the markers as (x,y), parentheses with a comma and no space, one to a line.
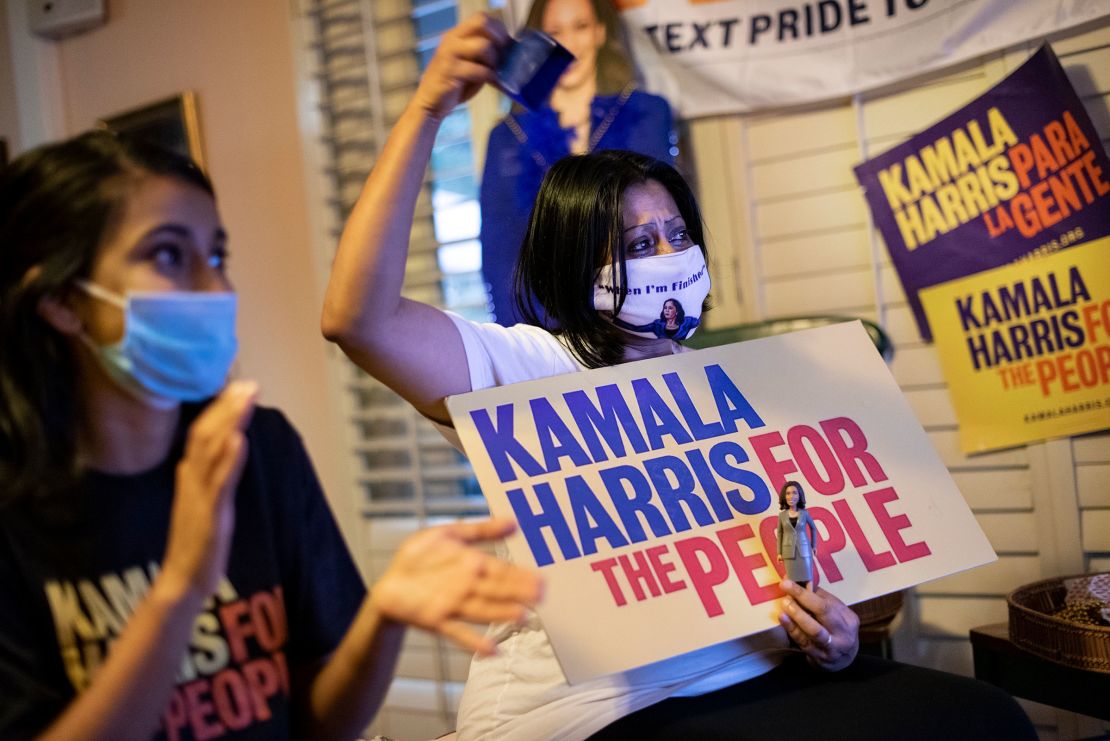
(69,584)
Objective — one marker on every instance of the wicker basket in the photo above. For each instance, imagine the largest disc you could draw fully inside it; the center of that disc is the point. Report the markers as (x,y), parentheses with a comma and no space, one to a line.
(1035,629)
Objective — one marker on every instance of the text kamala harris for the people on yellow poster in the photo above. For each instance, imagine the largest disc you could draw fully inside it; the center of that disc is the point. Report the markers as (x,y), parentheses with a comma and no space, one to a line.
(1026,347)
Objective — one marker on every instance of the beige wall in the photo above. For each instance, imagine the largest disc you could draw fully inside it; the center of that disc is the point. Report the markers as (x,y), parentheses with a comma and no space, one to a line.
(9,122)
(237,56)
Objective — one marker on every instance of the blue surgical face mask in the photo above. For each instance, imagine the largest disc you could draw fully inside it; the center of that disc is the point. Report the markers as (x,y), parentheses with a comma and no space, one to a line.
(177,345)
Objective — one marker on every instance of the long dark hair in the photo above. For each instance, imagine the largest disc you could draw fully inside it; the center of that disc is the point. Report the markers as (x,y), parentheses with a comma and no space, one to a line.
(575,229)
(801,495)
(679,312)
(614,69)
(56,203)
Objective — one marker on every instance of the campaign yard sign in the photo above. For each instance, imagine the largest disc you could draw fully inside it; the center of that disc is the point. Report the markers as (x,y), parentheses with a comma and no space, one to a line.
(646,493)
(1026,347)
(1018,172)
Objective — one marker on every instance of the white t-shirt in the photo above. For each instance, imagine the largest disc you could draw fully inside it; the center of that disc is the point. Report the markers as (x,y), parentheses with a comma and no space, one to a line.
(521,692)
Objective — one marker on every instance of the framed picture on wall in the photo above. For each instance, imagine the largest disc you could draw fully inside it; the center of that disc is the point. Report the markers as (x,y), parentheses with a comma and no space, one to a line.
(172,123)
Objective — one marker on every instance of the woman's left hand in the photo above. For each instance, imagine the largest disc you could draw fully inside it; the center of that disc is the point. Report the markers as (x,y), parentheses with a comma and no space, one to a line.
(824,628)
(440,582)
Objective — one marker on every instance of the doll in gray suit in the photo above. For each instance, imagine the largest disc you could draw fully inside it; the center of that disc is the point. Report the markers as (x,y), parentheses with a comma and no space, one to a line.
(796,533)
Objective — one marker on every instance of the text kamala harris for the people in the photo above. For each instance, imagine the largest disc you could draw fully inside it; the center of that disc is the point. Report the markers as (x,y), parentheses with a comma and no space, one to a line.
(646,493)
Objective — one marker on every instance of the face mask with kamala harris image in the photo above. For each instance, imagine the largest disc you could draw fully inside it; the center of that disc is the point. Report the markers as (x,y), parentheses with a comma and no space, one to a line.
(662,298)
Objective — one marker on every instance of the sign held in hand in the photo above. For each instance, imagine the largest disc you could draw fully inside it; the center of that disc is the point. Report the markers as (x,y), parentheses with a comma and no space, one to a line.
(647,493)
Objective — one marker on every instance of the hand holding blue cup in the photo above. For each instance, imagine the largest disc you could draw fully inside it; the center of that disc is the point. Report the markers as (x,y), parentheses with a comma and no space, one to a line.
(530,67)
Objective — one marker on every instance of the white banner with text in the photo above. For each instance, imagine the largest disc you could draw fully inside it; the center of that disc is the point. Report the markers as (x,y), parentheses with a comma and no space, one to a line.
(711,57)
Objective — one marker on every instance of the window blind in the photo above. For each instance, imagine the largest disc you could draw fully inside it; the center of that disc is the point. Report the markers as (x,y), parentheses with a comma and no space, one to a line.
(366,59)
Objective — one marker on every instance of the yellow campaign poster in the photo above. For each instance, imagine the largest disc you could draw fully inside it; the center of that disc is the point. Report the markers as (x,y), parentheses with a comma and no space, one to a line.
(1026,347)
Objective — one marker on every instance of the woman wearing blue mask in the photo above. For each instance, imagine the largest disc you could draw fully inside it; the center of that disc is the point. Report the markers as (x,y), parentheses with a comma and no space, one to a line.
(603,226)
(168,564)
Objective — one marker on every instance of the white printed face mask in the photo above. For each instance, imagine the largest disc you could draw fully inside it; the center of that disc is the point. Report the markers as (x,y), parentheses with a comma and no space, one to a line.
(663,297)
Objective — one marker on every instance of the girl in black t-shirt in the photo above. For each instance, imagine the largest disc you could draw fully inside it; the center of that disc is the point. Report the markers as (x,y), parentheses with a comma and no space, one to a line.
(166,557)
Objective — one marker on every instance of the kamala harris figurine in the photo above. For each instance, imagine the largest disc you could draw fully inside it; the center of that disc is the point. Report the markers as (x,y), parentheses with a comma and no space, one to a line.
(796,533)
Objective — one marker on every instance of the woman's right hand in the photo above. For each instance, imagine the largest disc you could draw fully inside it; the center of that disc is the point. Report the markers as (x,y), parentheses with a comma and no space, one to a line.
(203,516)
(464,60)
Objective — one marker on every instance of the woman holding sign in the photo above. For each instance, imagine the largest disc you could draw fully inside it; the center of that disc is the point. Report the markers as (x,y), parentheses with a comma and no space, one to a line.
(603,223)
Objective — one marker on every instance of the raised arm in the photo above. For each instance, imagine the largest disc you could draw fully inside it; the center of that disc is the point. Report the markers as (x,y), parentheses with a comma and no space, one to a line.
(413,348)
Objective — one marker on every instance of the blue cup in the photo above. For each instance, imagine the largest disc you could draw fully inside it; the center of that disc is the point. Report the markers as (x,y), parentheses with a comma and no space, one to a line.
(530,67)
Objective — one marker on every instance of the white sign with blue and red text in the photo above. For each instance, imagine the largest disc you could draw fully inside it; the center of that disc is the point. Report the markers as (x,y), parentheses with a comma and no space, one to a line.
(646,493)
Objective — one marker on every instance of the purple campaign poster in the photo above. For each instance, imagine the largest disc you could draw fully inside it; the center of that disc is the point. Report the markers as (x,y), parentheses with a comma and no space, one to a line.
(1019,172)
